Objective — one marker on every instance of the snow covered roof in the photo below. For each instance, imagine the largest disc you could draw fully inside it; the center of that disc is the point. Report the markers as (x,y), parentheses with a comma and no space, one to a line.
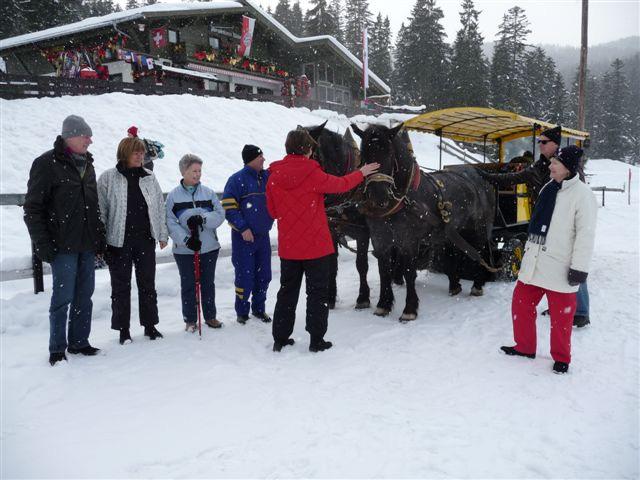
(193,73)
(168,9)
(92,23)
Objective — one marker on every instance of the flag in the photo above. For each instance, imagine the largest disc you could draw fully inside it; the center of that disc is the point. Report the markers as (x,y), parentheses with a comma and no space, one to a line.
(244,49)
(365,61)
(150,63)
(159,37)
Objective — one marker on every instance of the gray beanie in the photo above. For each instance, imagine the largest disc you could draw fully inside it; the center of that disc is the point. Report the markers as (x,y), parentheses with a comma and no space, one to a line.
(75,126)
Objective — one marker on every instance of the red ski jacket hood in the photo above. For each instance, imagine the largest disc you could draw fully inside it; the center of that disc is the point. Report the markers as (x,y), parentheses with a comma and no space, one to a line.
(295,198)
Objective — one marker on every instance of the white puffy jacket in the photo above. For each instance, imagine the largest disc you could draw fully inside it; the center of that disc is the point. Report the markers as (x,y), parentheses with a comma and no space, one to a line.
(569,243)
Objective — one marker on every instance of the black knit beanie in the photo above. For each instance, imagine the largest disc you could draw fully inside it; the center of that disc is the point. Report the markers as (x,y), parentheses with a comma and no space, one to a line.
(554,134)
(570,157)
(250,153)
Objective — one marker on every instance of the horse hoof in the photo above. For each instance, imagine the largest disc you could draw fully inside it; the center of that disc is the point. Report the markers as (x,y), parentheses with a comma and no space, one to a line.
(363,305)
(455,291)
(476,292)
(381,312)
(408,317)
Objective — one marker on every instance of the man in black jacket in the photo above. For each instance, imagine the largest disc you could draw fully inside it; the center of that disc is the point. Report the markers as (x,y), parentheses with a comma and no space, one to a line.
(62,216)
(536,175)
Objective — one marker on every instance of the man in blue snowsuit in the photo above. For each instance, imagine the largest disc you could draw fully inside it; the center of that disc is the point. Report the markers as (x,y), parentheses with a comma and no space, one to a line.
(245,206)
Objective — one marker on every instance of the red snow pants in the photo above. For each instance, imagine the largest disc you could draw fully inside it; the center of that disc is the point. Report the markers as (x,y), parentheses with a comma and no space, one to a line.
(562,306)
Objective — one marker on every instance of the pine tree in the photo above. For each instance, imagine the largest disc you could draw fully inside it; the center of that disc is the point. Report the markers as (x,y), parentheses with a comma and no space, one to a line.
(507,81)
(283,13)
(96,8)
(422,57)
(131,4)
(380,48)
(634,107)
(358,17)
(297,20)
(335,9)
(320,19)
(469,78)
(28,16)
(538,90)
(616,122)
(558,108)
(150,2)
(402,85)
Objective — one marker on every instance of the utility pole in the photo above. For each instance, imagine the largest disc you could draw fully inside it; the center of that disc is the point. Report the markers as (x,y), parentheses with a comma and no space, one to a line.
(582,77)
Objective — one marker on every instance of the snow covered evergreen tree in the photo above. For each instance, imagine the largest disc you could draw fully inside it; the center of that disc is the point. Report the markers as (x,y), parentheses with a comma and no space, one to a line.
(633,67)
(469,80)
(559,104)
(422,58)
(357,17)
(380,48)
(26,16)
(297,20)
(131,4)
(402,84)
(96,8)
(615,119)
(507,80)
(283,13)
(335,7)
(539,77)
(321,20)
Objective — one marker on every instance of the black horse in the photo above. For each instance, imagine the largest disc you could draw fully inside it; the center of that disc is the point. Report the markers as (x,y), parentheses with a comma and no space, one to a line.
(339,155)
(416,214)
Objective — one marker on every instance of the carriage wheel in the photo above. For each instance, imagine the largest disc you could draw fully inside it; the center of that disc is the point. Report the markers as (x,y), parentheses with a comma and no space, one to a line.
(511,255)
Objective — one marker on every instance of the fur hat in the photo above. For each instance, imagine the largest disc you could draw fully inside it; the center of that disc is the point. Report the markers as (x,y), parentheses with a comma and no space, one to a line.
(570,157)
(554,134)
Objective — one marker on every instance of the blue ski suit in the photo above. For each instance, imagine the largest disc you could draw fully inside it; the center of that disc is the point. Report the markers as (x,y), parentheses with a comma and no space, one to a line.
(245,205)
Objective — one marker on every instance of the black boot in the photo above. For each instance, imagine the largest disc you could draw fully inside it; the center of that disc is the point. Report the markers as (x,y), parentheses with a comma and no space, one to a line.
(152,332)
(88,351)
(277,346)
(242,319)
(57,357)
(560,367)
(125,336)
(581,321)
(263,317)
(512,351)
(319,345)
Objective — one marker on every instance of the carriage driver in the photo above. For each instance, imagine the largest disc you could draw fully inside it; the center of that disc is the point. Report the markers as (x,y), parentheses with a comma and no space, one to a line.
(245,208)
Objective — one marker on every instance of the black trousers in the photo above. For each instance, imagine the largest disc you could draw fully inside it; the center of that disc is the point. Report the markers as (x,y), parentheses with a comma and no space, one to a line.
(140,253)
(316,274)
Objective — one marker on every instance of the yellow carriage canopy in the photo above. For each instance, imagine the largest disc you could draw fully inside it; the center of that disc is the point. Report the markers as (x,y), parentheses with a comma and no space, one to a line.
(483,125)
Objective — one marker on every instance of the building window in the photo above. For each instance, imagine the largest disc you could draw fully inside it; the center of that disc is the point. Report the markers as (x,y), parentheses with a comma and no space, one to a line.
(329,74)
(173,36)
(214,43)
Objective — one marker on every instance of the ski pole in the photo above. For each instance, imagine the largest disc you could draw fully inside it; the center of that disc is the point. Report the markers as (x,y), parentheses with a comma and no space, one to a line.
(196,261)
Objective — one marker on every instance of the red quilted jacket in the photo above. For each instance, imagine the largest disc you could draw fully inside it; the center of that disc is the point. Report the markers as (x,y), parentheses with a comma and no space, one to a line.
(295,197)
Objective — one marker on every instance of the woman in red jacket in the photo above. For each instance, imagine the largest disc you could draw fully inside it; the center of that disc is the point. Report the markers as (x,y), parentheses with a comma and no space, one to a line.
(295,197)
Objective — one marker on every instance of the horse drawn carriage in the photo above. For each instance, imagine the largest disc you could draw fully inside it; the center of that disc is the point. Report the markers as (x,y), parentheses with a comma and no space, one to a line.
(511,135)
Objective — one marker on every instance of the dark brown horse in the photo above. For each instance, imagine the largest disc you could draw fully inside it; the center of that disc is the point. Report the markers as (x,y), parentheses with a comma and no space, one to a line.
(411,212)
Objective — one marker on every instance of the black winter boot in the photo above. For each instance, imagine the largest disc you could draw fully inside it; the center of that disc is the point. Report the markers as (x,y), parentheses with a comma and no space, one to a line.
(277,346)
(88,351)
(512,351)
(319,345)
(263,317)
(581,321)
(152,332)
(560,367)
(125,336)
(242,319)
(57,357)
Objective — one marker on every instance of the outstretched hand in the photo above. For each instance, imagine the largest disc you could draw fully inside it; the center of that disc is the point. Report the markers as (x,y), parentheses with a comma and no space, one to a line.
(369,168)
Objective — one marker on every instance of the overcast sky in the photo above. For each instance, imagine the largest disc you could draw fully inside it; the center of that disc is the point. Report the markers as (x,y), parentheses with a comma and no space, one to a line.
(552,21)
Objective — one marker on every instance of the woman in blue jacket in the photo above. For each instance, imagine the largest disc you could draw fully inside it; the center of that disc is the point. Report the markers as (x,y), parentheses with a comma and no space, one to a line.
(193,214)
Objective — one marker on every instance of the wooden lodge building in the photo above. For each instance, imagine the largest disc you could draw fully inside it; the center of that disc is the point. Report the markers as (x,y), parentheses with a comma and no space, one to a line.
(194,45)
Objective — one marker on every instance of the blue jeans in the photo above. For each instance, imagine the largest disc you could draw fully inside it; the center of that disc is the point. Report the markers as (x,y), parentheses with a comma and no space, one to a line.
(583,300)
(73,284)
(186,267)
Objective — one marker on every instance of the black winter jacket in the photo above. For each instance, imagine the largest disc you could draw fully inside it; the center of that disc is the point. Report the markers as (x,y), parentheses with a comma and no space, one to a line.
(61,207)
(535,176)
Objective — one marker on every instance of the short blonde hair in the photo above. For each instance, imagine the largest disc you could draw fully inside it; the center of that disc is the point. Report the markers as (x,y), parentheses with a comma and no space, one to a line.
(128,146)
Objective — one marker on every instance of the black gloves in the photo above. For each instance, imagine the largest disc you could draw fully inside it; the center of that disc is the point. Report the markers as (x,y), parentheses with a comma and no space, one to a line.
(194,243)
(194,222)
(576,277)
(46,252)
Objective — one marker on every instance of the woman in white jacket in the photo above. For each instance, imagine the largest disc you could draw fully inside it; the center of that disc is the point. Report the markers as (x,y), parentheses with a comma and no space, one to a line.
(556,259)
(132,209)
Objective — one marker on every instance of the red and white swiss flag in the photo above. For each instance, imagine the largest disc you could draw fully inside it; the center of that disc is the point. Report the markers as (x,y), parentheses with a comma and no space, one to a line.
(244,49)
(159,37)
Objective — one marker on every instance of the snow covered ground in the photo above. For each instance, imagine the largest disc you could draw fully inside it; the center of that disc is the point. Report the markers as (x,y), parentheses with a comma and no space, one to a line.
(434,398)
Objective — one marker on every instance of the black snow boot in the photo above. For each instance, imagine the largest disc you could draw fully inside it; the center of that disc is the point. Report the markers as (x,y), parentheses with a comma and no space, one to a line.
(263,317)
(152,332)
(125,336)
(560,367)
(88,351)
(319,345)
(242,319)
(57,357)
(512,351)
(277,346)
(581,321)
